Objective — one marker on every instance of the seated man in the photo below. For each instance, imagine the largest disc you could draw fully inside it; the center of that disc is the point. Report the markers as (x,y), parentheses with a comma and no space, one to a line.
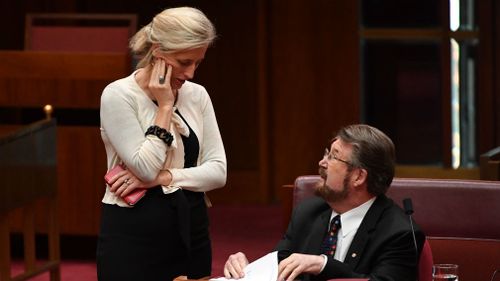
(352,230)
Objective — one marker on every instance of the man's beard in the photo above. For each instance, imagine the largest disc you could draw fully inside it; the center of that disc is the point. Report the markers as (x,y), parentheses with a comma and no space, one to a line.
(327,193)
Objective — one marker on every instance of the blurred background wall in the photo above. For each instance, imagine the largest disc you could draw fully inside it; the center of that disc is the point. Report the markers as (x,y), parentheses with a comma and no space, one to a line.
(285,75)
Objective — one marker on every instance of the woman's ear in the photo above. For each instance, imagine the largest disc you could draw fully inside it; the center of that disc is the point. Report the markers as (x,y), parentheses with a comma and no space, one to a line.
(156,49)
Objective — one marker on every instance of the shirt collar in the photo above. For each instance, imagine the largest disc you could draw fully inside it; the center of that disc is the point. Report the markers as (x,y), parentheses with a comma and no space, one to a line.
(351,219)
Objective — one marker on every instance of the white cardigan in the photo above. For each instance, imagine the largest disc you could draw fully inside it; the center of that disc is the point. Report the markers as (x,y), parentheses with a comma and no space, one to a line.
(127,112)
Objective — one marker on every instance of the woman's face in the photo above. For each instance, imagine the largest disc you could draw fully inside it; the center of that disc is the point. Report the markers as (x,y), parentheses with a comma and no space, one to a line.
(184,64)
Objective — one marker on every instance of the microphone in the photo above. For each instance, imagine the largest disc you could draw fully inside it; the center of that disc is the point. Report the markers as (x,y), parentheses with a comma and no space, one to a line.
(408,207)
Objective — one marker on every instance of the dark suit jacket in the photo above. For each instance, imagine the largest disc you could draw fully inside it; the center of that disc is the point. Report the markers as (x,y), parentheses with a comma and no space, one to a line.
(382,248)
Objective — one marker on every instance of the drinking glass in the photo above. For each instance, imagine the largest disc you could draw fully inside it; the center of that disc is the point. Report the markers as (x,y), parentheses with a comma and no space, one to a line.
(445,272)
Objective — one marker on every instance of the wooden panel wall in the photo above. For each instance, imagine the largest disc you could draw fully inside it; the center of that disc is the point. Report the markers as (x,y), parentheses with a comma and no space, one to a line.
(279,77)
(314,81)
(230,75)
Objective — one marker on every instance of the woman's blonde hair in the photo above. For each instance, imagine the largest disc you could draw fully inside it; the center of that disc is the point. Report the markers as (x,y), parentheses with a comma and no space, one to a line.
(174,29)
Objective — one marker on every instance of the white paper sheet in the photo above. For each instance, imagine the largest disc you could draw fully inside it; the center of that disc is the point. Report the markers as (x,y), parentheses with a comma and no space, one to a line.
(263,269)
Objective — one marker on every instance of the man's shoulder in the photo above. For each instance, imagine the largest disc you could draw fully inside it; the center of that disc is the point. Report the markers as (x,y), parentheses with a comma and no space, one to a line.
(392,216)
(387,208)
(312,205)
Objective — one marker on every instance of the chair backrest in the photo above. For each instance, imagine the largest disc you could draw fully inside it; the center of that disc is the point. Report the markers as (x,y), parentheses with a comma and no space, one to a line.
(441,203)
(79,32)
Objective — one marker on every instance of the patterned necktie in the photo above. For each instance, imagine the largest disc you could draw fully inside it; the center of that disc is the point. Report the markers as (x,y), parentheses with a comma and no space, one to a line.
(330,243)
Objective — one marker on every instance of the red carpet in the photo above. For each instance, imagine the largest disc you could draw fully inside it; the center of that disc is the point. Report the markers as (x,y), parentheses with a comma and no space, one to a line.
(253,230)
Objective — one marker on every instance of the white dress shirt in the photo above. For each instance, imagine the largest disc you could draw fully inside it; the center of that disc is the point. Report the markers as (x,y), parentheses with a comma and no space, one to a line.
(349,222)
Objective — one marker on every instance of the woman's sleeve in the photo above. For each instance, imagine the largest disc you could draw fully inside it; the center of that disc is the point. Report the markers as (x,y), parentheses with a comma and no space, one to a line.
(211,173)
(144,156)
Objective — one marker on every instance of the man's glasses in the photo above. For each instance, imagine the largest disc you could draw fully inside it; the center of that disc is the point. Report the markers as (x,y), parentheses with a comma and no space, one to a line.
(330,156)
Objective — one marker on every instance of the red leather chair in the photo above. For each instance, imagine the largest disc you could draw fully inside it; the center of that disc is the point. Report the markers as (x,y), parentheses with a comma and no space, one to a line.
(425,263)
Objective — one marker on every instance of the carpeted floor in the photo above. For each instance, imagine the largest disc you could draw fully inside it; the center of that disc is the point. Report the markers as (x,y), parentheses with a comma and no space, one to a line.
(253,230)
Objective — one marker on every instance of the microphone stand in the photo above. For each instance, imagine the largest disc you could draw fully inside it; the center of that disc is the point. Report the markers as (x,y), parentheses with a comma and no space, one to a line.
(408,207)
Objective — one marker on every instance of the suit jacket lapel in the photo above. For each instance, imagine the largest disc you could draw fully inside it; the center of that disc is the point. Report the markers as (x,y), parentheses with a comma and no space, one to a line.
(317,233)
(365,228)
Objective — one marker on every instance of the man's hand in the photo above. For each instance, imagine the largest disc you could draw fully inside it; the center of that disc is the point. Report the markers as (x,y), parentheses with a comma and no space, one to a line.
(234,266)
(295,264)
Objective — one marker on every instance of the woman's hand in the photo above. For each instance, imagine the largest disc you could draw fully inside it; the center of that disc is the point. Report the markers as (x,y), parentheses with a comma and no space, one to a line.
(159,83)
(125,182)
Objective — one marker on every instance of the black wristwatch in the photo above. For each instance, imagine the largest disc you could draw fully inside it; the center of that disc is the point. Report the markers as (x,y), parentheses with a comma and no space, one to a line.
(161,133)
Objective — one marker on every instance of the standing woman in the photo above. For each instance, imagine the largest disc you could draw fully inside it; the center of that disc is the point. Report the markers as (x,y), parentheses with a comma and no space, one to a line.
(163,129)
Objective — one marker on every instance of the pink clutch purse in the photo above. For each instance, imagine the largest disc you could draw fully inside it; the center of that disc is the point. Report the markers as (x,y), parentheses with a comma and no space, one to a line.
(133,197)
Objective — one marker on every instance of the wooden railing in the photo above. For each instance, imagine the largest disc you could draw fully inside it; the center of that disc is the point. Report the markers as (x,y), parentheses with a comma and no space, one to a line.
(28,165)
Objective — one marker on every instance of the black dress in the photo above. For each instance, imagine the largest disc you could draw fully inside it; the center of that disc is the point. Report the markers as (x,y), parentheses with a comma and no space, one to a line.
(161,237)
